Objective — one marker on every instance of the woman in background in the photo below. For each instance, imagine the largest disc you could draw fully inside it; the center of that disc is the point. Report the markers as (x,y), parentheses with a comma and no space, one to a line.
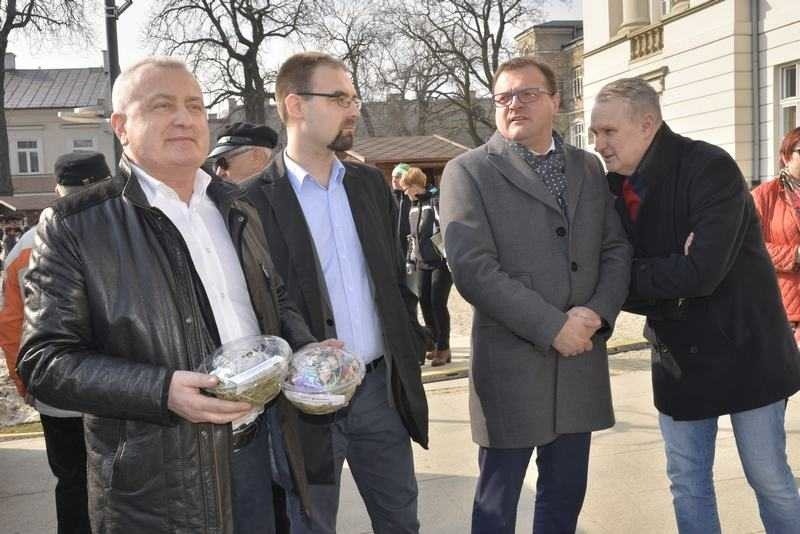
(778,205)
(425,258)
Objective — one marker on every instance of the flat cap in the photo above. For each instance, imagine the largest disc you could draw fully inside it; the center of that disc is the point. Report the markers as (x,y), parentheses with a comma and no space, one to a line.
(244,134)
(81,168)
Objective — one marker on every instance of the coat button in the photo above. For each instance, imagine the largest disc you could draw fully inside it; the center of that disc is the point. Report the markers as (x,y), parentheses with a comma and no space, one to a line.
(240,218)
(693,349)
(329,322)
(573,266)
(561,231)
(204,434)
(189,320)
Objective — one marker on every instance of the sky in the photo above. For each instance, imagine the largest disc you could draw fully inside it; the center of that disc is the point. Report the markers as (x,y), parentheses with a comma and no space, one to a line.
(131,44)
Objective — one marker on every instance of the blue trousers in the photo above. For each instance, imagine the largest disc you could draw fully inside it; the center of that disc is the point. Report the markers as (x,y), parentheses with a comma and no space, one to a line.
(761,442)
(563,467)
(251,481)
(370,435)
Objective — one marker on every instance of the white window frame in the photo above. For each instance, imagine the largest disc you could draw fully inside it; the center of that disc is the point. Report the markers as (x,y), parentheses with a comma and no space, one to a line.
(15,151)
(577,82)
(786,102)
(577,133)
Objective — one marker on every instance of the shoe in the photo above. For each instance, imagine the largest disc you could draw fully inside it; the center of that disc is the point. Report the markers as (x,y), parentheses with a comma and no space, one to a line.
(442,357)
(430,355)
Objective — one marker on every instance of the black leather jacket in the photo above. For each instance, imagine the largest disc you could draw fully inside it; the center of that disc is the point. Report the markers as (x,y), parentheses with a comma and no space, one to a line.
(114,307)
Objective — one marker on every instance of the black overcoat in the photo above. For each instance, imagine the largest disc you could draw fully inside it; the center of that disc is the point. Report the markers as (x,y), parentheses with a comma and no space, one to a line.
(723,343)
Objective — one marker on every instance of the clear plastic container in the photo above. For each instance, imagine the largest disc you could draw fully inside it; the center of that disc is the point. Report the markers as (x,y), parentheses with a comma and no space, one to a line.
(250,369)
(322,379)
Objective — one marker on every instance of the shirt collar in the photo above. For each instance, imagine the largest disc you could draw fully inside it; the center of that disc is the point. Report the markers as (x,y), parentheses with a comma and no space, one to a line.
(154,188)
(298,175)
(551,148)
(518,146)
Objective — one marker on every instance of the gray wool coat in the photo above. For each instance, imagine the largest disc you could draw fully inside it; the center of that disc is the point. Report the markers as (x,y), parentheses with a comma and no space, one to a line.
(522,264)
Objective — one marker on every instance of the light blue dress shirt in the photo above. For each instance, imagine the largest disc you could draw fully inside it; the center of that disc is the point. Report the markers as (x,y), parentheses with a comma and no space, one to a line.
(350,288)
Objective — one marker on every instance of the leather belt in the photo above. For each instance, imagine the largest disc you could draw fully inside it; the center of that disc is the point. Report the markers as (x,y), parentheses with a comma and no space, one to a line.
(242,437)
(371,366)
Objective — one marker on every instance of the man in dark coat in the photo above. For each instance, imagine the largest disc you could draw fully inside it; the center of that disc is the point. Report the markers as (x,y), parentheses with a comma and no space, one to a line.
(403,206)
(330,228)
(243,150)
(702,276)
(133,282)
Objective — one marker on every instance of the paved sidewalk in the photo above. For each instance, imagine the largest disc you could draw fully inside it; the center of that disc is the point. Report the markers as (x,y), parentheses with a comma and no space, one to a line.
(628,490)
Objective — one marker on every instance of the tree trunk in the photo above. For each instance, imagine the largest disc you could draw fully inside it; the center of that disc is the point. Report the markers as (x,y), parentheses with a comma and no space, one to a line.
(6,186)
(367,121)
(364,111)
(255,97)
(422,114)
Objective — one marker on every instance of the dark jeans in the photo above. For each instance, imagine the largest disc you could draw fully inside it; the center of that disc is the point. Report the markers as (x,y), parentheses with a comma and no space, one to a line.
(563,468)
(370,435)
(66,454)
(251,480)
(434,290)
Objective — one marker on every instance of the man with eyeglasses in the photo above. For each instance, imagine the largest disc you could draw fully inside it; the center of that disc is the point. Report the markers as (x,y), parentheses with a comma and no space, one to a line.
(534,244)
(330,229)
(243,150)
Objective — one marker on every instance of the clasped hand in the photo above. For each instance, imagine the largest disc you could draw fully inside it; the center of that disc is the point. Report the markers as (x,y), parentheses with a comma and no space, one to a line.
(575,337)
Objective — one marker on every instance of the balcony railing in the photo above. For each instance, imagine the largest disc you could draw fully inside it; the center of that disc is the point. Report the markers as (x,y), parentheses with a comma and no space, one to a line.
(647,42)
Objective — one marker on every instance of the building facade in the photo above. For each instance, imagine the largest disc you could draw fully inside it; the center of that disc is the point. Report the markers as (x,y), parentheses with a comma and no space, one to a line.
(560,44)
(726,70)
(36,104)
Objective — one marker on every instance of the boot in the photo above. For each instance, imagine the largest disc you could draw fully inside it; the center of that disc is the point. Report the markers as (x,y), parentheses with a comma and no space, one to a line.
(442,357)
(430,355)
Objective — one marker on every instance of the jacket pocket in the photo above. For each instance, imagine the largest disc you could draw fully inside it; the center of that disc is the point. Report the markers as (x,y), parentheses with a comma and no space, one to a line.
(139,459)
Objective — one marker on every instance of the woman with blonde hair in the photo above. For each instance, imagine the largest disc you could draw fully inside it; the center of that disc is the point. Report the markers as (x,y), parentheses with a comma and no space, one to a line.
(426,257)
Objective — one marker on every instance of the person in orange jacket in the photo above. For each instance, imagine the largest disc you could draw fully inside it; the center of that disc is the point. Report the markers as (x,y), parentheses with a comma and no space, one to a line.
(63,430)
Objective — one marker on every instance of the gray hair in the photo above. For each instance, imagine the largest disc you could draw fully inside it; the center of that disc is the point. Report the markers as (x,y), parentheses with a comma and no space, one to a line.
(123,85)
(639,94)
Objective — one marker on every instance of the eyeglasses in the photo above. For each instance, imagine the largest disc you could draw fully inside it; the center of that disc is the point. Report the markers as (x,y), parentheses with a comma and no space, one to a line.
(341,98)
(525,95)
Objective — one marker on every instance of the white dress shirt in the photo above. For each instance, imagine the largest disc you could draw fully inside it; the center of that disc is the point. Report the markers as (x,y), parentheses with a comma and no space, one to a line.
(215,260)
(350,288)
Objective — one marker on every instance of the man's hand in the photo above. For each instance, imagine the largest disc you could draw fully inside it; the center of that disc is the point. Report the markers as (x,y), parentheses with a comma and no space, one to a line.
(186,400)
(575,336)
(588,314)
(688,244)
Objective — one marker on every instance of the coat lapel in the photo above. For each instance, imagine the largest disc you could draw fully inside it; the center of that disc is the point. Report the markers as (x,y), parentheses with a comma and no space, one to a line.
(299,243)
(364,217)
(516,171)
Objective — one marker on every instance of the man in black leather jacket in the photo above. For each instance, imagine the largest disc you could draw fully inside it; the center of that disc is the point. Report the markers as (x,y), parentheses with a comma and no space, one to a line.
(132,283)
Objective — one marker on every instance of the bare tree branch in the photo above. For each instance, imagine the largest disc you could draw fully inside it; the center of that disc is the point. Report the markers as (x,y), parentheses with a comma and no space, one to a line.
(225,41)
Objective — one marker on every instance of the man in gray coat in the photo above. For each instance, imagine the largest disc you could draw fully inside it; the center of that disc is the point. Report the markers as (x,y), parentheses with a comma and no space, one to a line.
(535,245)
